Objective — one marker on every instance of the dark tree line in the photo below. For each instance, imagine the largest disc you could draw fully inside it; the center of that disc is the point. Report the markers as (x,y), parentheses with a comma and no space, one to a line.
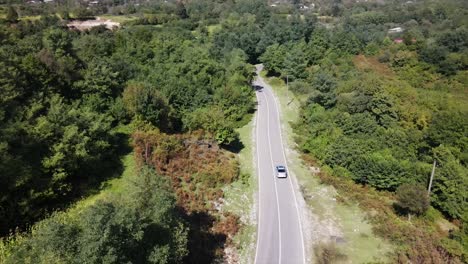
(381,118)
(65,94)
(120,229)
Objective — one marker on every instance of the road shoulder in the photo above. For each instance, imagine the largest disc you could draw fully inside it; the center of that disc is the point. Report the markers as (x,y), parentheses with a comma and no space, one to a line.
(324,219)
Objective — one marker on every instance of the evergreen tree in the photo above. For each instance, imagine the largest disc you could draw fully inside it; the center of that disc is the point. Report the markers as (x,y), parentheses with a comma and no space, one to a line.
(12,15)
(413,199)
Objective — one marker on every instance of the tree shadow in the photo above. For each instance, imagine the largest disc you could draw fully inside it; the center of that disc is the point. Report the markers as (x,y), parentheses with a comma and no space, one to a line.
(85,181)
(108,167)
(273,74)
(257,88)
(400,210)
(154,235)
(236,146)
(204,245)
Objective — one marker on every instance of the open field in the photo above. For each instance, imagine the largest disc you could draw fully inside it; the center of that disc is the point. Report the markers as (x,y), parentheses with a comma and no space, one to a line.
(118,19)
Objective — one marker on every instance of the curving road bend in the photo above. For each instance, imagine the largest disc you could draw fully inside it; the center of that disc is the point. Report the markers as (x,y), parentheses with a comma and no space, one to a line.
(279,230)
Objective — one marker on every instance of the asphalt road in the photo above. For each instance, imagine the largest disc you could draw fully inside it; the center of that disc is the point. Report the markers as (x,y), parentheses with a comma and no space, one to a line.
(279,237)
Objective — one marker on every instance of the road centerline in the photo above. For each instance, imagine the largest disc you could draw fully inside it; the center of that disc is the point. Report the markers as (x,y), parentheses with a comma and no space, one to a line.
(274,179)
(279,237)
(258,179)
(290,180)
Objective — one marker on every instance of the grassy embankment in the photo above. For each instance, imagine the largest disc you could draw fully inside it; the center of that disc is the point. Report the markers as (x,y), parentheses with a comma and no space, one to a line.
(238,198)
(108,188)
(119,19)
(240,194)
(360,245)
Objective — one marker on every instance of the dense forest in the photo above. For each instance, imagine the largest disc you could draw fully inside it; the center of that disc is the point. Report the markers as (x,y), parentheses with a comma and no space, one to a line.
(73,102)
(172,84)
(383,106)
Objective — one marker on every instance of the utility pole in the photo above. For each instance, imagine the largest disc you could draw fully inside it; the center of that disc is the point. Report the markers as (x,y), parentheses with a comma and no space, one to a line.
(432,177)
(287,87)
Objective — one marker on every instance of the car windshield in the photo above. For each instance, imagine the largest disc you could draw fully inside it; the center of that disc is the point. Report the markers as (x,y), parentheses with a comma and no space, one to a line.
(281,170)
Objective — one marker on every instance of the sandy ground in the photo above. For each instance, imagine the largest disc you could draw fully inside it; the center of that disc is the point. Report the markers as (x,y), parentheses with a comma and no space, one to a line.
(87,24)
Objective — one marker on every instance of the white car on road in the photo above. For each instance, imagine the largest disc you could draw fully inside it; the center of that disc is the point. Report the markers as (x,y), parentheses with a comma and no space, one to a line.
(281,171)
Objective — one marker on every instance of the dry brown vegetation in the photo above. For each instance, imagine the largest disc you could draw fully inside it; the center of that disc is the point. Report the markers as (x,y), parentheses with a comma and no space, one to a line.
(328,253)
(364,63)
(198,169)
(424,239)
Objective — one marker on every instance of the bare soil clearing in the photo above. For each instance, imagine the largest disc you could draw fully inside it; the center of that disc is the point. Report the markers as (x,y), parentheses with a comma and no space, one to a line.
(83,25)
(364,63)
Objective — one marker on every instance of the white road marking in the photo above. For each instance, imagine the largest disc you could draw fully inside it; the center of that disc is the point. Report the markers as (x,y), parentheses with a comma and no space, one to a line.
(258,179)
(290,181)
(274,179)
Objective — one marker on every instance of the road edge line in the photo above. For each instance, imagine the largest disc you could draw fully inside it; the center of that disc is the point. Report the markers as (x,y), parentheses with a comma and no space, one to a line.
(290,181)
(274,179)
(258,176)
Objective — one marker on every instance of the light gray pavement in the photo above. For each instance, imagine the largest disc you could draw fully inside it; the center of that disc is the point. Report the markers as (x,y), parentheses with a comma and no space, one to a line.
(279,237)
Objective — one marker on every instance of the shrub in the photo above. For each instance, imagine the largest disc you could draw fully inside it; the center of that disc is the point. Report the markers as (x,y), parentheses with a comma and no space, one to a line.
(412,198)
(326,253)
(12,15)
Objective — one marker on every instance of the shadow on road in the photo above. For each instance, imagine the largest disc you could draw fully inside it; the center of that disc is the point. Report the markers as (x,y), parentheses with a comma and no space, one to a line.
(257,88)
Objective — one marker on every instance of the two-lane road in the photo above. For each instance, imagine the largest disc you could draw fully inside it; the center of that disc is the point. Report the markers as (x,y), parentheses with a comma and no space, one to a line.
(279,237)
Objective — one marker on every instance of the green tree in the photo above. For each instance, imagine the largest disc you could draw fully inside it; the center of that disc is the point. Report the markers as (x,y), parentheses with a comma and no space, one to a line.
(450,183)
(99,78)
(82,12)
(11,15)
(324,89)
(300,87)
(213,120)
(336,8)
(412,198)
(454,40)
(181,11)
(236,101)
(380,170)
(273,58)
(448,127)
(140,227)
(58,41)
(296,62)
(317,45)
(433,54)
(149,104)
(74,137)
(256,7)
(64,14)
(346,42)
